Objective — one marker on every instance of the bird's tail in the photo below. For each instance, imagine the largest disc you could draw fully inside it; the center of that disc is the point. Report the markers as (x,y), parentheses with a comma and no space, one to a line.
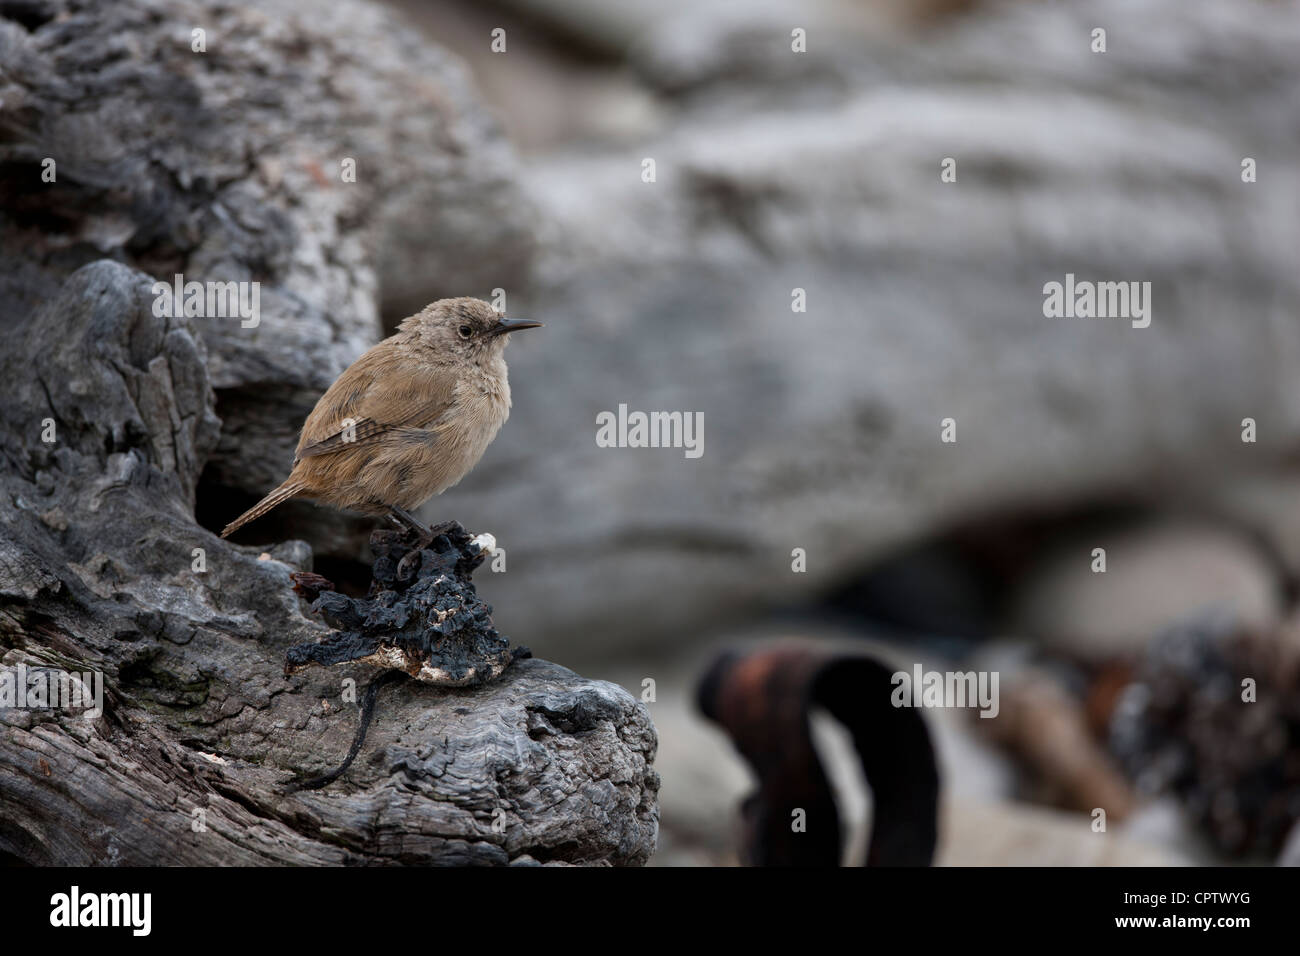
(279,496)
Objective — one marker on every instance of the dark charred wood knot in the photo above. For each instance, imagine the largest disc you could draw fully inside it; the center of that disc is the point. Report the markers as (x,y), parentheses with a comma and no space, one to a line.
(421,614)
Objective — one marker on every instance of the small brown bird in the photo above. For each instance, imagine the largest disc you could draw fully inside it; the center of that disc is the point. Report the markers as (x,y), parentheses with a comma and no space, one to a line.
(408,419)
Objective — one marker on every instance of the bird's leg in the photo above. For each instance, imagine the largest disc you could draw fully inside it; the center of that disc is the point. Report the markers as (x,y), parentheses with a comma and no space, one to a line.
(405,519)
(423,538)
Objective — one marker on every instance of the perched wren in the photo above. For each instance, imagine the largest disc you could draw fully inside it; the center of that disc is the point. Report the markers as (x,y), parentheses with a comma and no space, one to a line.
(408,419)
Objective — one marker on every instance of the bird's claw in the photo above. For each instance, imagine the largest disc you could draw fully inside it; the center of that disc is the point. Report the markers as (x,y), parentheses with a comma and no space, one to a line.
(409,565)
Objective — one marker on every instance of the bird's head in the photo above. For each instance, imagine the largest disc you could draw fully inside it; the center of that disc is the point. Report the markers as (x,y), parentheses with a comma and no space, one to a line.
(467,327)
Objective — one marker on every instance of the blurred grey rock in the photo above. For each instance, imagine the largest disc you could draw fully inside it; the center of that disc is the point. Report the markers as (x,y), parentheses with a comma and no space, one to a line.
(1018,834)
(622,27)
(1267,505)
(1155,575)
(1164,822)
(924,301)
(543,92)
(1290,855)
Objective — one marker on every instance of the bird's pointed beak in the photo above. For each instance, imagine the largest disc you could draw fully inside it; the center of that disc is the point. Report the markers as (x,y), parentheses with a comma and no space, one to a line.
(503,327)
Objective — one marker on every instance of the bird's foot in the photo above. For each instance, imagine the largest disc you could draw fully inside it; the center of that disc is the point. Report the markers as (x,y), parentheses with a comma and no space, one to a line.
(424,536)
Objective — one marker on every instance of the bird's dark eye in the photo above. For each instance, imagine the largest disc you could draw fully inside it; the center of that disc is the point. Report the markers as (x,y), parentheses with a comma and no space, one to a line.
(465,331)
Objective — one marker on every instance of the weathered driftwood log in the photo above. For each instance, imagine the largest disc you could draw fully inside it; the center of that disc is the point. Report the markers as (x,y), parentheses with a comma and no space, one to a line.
(103,569)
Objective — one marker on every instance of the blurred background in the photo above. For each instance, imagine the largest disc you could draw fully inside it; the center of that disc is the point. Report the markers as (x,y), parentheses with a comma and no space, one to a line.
(783,175)
(820,171)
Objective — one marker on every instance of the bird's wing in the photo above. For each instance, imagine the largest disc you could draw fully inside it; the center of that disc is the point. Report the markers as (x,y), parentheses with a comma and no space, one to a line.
(362,431)
(372,400)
